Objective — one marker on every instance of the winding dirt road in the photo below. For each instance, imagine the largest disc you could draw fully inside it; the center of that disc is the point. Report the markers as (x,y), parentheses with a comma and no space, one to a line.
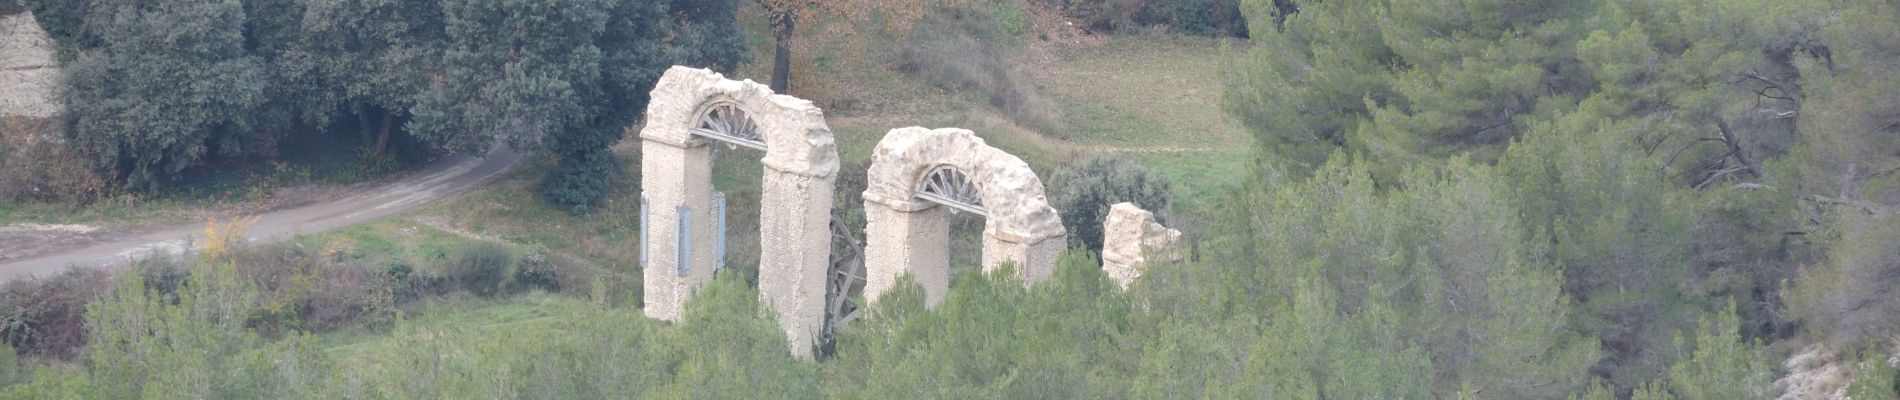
(434,181)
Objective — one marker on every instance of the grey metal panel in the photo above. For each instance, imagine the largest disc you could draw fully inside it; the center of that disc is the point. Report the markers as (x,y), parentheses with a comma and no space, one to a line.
(719,240)
(643,232)
(685,247)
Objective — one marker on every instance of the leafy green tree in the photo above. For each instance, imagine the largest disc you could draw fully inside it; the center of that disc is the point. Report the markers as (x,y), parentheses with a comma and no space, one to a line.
(1620,235)
(1331,56)
(1874,377)
(1849,127)
(725,349)
(169,87)
(50,383)
(1403,79)
(148,345)
(1850,301)
(66,22)
(568,78)
(1723,365)
(366,58)
(1083,191)
(1444,262)
(1727,91)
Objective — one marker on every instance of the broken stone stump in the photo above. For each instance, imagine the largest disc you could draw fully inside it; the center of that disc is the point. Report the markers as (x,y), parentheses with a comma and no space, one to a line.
(1131,239)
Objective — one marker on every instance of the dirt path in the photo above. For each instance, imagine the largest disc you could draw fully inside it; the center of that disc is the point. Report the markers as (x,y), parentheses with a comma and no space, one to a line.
(435,181)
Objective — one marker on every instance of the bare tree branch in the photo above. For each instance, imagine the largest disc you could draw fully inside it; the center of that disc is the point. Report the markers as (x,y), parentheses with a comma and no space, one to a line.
(1663,174)
(1735,148)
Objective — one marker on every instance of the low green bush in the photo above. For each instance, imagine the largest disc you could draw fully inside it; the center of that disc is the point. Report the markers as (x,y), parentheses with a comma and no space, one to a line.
(481,269)
(1198,17)
(45,317)
(1083,191)
(536,269)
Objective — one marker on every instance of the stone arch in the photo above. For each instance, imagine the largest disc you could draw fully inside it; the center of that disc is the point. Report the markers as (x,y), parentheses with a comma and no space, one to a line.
(679,230)
(908,233)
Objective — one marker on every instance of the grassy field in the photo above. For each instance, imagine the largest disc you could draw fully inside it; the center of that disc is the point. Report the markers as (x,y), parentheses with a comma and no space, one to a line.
(485,320)
(1154,99)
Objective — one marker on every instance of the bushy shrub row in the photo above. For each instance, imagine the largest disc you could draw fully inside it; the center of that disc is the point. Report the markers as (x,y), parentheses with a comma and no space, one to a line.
(1199,17)
(36,165)
(46,316)
(298,289)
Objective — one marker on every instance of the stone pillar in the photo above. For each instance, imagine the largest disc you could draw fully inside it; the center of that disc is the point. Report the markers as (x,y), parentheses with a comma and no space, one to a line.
(1130,239)
(1035,260)
(29,69)
(795,253)
(912,237)
(676,174)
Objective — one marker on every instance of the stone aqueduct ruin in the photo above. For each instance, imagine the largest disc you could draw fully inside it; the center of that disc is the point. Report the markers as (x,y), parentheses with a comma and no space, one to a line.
(917,178)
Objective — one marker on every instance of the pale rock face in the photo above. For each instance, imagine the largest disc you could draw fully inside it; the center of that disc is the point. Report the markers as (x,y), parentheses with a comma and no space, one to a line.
(29,71)
(1130,236)
(1815,373)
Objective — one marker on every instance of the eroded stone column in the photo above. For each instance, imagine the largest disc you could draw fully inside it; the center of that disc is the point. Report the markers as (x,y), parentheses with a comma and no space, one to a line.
(909,238)
(1035,260)
(676,175)
(29,69)
(1131,239)
(795,253)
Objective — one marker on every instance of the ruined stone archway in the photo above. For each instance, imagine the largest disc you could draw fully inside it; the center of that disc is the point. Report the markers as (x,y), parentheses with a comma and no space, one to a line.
(681,216)
(916,174)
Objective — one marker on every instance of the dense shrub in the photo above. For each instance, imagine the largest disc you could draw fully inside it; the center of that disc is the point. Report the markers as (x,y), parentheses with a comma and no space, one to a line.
(481,268)
(1200,17)
(163,273)
(586,171)
(45,316)
(1850,301)
(1083,191)
(11,370)
(10,7)
(36,165)
(165,91)
(63,20)
(300,290)
(536,269)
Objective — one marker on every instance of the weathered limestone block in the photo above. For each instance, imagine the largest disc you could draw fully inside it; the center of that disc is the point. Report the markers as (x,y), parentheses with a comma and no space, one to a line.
(797,139)
(1012,192)
(1034,261)
(795,253)
(909,242)
(906,234)
(1130,237)
(29,71)
(687,181)
(801,165)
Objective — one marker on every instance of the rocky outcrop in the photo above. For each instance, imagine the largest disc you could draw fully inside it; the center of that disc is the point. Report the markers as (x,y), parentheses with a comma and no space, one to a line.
(1816,373)
(29,70)
(1131,239)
